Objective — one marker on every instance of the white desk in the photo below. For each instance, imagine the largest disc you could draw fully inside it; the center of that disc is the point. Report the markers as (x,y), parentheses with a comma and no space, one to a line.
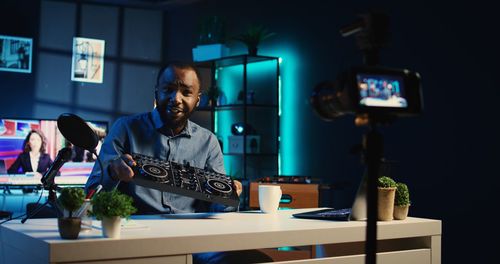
(154,240)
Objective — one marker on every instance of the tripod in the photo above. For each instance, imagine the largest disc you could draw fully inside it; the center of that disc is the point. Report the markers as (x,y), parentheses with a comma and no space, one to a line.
(373,148)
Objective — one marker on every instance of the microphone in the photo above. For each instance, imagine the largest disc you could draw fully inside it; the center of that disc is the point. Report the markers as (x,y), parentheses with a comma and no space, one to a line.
(77,131)
(62,157)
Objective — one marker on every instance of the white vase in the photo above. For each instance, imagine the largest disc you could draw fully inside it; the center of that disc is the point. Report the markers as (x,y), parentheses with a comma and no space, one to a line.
(111,226)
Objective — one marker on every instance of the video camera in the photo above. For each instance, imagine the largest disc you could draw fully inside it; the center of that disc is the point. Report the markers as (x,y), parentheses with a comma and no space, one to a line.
(380,92)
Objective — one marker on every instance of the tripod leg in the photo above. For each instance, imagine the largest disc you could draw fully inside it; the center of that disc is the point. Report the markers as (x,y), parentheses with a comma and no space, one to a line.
(35,211)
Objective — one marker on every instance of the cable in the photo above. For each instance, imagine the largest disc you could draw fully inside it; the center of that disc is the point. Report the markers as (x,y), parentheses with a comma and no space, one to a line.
(22,215)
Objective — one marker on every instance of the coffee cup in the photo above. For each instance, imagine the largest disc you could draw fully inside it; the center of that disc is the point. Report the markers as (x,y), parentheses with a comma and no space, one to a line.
(269,198)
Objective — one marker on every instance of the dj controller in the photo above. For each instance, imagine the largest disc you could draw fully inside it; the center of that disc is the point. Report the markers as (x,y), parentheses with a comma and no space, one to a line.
(185,180)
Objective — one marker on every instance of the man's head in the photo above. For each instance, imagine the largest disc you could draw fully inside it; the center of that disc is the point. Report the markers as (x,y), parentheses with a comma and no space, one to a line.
(177,94)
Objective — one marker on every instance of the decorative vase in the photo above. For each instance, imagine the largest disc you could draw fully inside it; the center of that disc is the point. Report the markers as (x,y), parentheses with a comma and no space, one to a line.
(386,203)
(401,212)
(111,226)
(69,228)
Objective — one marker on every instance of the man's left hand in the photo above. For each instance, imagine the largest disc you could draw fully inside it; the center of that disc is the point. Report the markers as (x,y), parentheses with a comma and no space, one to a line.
(239,187)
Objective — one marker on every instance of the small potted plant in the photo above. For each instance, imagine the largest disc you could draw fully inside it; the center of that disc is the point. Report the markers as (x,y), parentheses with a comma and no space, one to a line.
(386,192)
(401,201)
(254,35)
(70,200)
(110,208)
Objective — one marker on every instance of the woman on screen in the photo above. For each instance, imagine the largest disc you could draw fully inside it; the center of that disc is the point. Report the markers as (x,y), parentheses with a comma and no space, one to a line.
(33,158)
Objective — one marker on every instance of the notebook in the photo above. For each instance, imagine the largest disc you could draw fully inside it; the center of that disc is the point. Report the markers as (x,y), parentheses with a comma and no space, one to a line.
(356,212)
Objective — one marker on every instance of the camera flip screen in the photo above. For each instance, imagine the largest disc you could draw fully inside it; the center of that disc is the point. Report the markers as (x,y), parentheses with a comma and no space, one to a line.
(381,91)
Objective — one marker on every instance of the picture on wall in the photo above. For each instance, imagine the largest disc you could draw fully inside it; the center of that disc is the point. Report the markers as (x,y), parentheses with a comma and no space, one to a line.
(88,60)
(15,54)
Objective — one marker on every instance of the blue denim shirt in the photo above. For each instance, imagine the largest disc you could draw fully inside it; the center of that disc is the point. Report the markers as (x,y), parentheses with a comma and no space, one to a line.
(142,134)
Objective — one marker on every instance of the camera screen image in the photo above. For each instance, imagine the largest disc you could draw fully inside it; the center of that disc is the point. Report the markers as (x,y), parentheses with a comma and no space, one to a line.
(381,91)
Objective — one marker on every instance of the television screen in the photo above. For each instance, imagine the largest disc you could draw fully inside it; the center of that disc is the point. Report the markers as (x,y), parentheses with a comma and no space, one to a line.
(381,91)
(14,131)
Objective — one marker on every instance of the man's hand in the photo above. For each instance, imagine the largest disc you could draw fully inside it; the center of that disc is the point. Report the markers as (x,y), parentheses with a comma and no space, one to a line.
(239,187)
(120,168)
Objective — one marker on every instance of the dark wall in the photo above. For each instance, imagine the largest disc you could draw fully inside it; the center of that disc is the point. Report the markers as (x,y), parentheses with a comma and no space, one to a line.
(18,88)
(447,156)
(133,54)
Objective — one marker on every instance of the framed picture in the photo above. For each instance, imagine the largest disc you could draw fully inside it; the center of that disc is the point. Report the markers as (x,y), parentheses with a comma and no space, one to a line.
(88,60)
(15,54)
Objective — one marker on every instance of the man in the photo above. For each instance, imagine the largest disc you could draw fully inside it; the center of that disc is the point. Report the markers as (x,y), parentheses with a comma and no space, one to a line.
(165,133)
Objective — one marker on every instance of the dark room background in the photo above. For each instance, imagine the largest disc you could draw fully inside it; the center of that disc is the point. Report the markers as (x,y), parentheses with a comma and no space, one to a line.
(447,156)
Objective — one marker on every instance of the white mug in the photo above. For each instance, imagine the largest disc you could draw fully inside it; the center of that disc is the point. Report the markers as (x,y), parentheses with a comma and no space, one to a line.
(269,198)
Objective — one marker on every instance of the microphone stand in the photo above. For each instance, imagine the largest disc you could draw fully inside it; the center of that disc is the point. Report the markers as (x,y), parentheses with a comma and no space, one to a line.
(51,187)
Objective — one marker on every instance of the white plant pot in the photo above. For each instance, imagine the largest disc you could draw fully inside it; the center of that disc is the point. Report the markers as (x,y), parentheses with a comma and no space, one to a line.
(386,203)
(401,212)
(111,227)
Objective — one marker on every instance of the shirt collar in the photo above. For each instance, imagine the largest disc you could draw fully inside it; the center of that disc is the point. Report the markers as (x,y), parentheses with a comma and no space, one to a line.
(158,124)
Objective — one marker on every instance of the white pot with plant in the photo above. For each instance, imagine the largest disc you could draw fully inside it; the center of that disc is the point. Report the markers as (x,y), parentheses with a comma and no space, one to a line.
(401,201)
(386,193)
(69,224)
(110,208)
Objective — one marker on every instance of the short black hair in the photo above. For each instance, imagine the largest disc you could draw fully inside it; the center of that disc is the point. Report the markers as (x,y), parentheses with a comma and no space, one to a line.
(182,66)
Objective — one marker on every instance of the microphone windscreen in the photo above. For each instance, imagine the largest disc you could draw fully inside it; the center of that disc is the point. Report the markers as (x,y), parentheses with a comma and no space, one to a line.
(77,131)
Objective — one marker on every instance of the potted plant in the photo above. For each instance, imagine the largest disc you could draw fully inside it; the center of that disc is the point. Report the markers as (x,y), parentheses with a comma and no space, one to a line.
(70,199)
(401,201)
(110,208)
(254,35)
(386,192)
(211,39)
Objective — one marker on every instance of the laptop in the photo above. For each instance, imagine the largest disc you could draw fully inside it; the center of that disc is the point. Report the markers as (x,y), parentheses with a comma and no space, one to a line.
(356,212)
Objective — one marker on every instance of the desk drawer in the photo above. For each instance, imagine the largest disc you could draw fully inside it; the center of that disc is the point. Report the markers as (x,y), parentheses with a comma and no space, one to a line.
(414,256)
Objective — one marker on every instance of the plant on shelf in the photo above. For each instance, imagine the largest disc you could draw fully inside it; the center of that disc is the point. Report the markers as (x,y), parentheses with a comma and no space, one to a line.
(386,192)
(254,35)
(401,201)
(70,200)
(111,207)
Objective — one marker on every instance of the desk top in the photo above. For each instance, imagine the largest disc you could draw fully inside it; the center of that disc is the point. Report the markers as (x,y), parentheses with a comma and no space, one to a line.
(35,180)
(178,234)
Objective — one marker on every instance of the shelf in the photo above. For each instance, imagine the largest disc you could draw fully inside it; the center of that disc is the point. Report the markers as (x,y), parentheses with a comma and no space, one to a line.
(235,107)
(252,154)
(233,60)
(263,116)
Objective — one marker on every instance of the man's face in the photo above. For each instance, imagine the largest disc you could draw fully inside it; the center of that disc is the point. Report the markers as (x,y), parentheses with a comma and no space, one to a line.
(177,95)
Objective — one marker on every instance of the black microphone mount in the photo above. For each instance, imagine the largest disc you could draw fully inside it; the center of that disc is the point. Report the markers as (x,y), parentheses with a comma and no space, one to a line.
(48,182)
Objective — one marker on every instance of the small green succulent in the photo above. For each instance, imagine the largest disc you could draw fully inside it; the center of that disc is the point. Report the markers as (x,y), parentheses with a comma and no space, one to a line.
(402,195)
(386,182)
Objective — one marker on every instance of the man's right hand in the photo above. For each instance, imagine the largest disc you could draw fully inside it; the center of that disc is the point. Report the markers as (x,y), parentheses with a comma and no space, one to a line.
(120,168)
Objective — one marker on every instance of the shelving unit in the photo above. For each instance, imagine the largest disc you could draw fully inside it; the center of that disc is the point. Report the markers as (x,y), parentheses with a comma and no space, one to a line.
(249,95)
